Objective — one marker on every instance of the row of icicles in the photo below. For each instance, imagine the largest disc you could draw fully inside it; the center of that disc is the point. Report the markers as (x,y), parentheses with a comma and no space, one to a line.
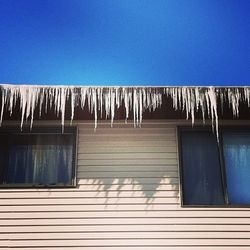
(108,99)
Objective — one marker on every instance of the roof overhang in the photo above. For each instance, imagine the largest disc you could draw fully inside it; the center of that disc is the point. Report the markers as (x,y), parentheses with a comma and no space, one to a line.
(29,102)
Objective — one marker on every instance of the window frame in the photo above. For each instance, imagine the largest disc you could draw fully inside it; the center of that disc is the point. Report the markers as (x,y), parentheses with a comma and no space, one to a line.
(230,128)
(43,129)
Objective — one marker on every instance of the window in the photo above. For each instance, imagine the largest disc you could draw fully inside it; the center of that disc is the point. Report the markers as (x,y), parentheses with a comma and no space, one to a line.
(215,173)
(42,157)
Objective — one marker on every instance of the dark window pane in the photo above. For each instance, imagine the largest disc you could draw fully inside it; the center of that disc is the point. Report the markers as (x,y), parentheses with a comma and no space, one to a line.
(237,163)
(202,184)
(3,155)
(44,159)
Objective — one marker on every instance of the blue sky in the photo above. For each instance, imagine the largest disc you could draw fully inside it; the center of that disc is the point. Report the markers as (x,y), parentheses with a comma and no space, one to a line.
(125,42)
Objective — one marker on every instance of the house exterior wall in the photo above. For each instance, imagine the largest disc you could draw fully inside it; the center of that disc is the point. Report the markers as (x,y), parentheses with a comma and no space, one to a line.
(127,197)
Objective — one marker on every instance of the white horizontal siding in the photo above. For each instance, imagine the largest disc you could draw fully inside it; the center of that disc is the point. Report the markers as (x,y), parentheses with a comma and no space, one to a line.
(127,198)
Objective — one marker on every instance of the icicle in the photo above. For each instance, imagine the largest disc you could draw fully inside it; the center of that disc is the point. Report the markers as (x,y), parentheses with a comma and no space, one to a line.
(112,105)
(72,93)
(33,104)
(41,100)
(108,100)
(3,102)
(192,105)
(247,96)
(135,107)
(99,97)
(214,114)
(23,102)
(140,106)
(94,101)
(62,105)
(82,97)
(126,103)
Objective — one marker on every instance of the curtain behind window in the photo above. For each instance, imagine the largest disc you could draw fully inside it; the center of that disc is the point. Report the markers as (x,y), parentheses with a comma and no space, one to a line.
(237,163)
(40,159)
(202,184)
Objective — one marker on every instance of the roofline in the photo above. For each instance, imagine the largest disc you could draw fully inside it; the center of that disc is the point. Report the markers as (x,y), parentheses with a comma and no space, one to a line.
(124,86)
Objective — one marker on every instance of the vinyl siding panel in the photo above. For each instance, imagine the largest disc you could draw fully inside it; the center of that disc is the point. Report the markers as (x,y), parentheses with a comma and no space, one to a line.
(127,198)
